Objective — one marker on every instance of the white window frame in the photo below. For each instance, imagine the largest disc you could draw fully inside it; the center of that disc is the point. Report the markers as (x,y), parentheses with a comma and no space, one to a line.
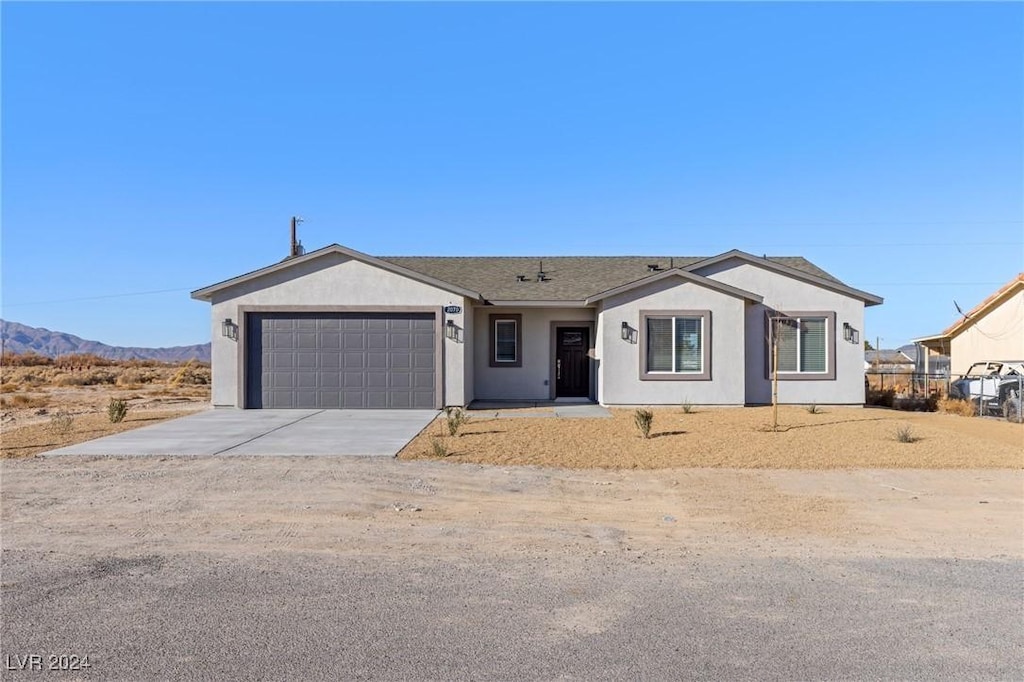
(704,373)
(829,373)
(516,321)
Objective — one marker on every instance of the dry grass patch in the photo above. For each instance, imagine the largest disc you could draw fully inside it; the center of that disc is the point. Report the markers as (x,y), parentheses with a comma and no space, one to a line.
(836,438)
(963,408)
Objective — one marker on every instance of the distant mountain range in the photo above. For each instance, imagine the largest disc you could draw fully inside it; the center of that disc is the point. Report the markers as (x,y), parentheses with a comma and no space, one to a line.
(20,338)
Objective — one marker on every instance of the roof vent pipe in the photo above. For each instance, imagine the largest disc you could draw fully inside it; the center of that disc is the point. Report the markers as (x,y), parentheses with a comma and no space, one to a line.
(653,267)
(541,275)
(296,247)
(520,278)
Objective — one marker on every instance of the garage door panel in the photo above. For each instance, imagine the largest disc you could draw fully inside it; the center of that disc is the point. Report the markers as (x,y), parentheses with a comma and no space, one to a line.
(346,360)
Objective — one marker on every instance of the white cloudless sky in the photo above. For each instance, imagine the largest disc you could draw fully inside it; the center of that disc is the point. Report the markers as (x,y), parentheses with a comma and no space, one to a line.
(152,149)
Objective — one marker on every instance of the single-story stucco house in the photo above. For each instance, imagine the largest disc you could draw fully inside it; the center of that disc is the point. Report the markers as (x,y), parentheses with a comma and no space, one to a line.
(993,330)
(336,328)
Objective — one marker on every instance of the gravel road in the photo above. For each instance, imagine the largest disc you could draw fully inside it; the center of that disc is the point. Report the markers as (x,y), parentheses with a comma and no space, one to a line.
(325,568)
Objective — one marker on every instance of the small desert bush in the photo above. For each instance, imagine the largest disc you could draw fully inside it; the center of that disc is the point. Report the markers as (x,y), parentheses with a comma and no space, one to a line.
(25,401)
(905,434)
(438,448)
(813,409)
(135,376)
(9,387)
(455,417)
(687,406)
(963,408)
(643,419)
(191,375)
(117,410)
(61,423)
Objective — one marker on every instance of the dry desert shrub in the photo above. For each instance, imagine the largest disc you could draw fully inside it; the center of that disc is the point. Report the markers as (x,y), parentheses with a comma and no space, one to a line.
(10,359)
(135,376)
(963,408)
(9,387)
(91,377)
(61,423)
(82,361)
(643,419)
(191,374)
(117,410)
(26,401)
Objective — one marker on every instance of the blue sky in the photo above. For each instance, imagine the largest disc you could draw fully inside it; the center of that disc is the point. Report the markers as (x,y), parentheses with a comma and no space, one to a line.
(163,147)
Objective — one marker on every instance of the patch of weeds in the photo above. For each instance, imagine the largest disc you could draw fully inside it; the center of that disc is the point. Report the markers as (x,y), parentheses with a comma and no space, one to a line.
(61,423)
(117,410)
(438,448)
(963,408)
(9,387)
(455,417)
(905,434)
(813,409)
(643,419)
(687,406)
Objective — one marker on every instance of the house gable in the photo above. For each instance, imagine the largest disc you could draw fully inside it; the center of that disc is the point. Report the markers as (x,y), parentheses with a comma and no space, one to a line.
(731,259)
(274,275)
(675,276)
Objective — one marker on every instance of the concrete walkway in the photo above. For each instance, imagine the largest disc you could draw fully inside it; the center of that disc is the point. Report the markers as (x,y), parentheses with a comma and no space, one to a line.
(266,432)
(539,409)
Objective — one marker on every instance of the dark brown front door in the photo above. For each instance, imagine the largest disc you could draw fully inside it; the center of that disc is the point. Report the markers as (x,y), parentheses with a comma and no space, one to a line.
(572,366)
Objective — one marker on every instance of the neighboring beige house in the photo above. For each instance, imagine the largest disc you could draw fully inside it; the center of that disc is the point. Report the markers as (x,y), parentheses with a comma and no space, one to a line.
(336,328)
(992,330)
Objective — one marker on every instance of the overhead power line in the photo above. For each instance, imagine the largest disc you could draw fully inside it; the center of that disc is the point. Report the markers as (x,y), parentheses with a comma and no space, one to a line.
(96,298)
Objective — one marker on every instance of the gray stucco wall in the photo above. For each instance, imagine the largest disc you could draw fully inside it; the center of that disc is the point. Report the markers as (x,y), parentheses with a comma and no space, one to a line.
(620,360)
(787,294)
(532,380)
(335,282)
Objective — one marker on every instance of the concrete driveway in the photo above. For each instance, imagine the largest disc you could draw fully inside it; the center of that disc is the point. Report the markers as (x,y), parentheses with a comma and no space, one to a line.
(266,432)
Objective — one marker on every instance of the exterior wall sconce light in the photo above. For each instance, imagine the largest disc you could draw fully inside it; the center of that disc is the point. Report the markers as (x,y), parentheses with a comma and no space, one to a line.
(229,329)
(850,334)
(451,330)
(628,333)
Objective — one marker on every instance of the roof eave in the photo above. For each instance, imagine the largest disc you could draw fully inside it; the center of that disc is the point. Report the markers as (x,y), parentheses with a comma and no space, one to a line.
(536,303)
(206,293)
(682,274)
(868,298)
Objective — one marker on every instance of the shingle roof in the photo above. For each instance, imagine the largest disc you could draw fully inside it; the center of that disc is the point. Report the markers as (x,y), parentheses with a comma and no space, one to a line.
(570,278)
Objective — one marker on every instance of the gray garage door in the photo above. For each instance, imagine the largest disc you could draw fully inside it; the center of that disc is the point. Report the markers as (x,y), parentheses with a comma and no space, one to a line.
(340,360)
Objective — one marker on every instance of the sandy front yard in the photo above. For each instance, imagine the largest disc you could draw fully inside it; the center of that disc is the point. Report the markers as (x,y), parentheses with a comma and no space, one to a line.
(835,438)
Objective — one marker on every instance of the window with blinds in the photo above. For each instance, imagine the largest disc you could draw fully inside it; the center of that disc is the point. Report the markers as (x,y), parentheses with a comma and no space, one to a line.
(505,342)
(802,344)
(675,344)
(505,335)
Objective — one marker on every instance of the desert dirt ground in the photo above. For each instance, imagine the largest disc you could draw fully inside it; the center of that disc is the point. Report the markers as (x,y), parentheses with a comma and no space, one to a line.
(376,568)
(32,395)
(832,438)
(379,506)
